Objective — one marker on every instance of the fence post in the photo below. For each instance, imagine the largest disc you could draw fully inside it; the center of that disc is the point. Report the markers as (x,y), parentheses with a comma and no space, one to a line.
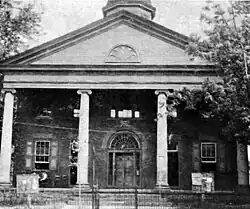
(202,199)
(136,198)
(97,198)
(29,200)
(93,196)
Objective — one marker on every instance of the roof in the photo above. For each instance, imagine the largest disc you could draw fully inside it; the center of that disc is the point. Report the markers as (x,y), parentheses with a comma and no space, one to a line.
(113,2)
(95,28)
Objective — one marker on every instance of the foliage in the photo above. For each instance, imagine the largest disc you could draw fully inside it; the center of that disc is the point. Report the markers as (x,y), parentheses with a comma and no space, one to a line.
(18,24)
(227,45)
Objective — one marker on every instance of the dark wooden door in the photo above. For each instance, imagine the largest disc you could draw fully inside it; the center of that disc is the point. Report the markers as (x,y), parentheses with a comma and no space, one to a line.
(124,170)
(173,169)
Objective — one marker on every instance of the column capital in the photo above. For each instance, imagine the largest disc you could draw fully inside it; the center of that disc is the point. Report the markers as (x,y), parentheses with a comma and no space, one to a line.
(162,91)
(4,91)
(84,91)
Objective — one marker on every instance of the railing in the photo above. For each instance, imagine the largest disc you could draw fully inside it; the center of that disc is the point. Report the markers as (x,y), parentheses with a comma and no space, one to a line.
(116,199)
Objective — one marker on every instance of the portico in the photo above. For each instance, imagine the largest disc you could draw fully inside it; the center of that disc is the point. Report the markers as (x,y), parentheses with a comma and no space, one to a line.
(116,73)
(30,77)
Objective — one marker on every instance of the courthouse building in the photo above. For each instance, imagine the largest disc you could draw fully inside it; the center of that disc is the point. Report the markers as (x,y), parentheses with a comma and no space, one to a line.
(92,107)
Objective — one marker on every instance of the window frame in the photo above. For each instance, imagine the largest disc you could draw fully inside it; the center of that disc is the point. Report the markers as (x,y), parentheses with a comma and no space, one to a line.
(35,153)
(215,153)
(173,150)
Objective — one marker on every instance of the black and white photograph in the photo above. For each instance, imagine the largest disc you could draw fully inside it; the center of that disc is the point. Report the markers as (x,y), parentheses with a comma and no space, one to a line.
(124,104)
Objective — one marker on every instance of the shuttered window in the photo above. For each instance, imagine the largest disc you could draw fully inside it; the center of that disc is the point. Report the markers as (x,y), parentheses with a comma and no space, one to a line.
(29,151)
(41,155)
(53,156)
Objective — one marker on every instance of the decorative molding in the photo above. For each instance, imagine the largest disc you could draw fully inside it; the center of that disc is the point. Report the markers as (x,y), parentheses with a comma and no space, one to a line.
(123,54)
(162,91)
(84,91)
(121,132)
(197,69)
(8,90)
(42,136)
(124,123)
(54,85)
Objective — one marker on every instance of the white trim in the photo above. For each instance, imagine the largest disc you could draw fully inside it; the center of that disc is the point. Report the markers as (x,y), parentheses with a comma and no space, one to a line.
(43,155)
(174,150)
(125,131)
(215,153)
(69,85)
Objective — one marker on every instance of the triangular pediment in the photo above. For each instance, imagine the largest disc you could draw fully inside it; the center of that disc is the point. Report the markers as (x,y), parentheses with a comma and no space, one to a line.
(119,38)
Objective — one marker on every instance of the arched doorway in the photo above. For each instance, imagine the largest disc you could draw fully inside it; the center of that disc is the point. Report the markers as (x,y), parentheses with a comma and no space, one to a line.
(124,160)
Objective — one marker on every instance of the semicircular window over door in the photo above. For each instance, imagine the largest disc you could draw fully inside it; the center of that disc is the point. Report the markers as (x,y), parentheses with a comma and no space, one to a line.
(123,141)
(124,160)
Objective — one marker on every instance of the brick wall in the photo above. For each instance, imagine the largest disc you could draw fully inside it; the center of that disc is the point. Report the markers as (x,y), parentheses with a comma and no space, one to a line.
(101,129)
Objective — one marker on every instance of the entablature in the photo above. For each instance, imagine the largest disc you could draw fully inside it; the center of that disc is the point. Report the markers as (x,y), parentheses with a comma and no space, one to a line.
(107,76)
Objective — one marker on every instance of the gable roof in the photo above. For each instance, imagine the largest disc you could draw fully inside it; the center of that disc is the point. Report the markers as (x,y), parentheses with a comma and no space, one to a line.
(95,28)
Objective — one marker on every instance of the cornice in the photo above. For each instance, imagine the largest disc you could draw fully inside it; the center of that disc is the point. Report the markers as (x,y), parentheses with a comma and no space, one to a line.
(115,68)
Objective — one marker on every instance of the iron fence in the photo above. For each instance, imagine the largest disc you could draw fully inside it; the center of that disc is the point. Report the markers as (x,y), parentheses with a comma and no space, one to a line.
(118,199)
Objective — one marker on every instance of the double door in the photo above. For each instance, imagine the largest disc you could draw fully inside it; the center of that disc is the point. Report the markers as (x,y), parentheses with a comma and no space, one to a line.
(124,170)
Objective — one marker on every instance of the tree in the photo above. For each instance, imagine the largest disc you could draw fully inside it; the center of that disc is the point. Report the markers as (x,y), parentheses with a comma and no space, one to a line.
(18,24)
(226,43)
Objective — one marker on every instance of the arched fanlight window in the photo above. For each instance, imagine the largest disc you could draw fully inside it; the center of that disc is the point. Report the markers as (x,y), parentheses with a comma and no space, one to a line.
(124,140)
(123,54)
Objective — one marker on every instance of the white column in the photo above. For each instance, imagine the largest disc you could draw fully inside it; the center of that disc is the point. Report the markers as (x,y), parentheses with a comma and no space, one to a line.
(83,138)
(242,164)
(162,144)
(6,142)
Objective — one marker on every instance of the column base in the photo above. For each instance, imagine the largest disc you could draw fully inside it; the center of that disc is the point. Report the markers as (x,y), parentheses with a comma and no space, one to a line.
(83,187)
(162,187)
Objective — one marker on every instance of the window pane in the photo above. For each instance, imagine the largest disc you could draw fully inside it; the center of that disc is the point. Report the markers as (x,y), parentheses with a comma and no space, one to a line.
(203,150)
(137,114)
(42,151)
(112,113)
(38,158)
(37,147)
(208,152)
(47,148)
(110,171)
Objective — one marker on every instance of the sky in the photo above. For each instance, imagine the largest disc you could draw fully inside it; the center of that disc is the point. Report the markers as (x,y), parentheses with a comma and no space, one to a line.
(62,16)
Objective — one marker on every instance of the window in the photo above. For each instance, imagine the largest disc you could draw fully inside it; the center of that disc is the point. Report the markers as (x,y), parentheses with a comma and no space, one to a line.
(137,114)
(124,113)
(45,113)
(208,152)
(42,153)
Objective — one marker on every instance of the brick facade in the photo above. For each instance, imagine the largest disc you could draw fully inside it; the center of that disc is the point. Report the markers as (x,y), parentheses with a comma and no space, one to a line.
(123,60)
(64,129)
